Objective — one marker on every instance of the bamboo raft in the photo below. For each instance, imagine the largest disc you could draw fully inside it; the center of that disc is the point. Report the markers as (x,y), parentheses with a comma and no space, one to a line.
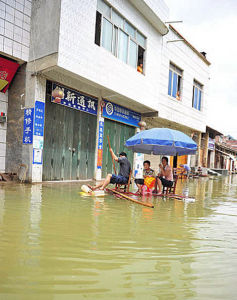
(130,198)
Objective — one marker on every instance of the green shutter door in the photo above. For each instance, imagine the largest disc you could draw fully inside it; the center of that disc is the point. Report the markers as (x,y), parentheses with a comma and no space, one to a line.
(84,141)
(118,134)
(69,143)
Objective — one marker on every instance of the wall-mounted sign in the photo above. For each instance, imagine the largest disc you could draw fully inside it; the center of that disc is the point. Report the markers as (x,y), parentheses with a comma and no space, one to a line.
(28,126)
(73,99)
(37,156)
(39,118)
(100,144)
(8,69)
(211,144)
(121,114)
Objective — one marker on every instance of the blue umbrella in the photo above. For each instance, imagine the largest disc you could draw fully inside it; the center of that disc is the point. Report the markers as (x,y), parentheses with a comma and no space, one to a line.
(162,141)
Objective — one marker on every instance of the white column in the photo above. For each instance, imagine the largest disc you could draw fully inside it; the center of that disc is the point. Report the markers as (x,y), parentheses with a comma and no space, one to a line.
(35,91)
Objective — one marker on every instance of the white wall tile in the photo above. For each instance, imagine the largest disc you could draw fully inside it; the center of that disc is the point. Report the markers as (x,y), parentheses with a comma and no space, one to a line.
(9,26)
(2,135)
(26,19)
(26,26)
(2,23)
(22,2)
(18,30)
(2,149)
(19,7)
(1,43)
(9,18)
(17,37)
(19,15)
(2,14)
(17,46)
(8,42)
(2,164)
(11,3)
(10,10)
(2,6)
(27,11)
(8,33)
(28,4)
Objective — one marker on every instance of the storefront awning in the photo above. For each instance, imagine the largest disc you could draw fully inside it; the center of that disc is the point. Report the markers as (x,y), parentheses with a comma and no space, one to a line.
(8,69)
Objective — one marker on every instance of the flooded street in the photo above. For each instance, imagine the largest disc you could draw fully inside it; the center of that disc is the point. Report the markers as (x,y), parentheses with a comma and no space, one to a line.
(56,244)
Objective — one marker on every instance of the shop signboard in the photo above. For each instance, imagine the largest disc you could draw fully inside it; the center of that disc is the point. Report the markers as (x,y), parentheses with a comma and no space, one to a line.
(28,126)
(8,69)
(120,114)
(74,99)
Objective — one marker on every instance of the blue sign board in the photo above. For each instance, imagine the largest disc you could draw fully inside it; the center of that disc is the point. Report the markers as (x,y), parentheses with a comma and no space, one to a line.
(100,144)
(28,126)
(74,99)
(39,118)
(121,114)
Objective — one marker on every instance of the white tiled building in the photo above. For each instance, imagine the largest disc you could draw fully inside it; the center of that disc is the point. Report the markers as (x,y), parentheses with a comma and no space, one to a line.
(15,16)
(96,47)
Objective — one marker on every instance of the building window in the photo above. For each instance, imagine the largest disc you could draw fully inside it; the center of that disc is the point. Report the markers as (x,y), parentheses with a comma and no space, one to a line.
(118,36)
(175,81)
(197,95)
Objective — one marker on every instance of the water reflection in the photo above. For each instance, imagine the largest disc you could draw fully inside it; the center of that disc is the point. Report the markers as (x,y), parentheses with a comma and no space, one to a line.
(59,245)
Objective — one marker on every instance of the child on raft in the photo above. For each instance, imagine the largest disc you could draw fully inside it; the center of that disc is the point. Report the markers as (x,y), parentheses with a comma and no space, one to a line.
(147,172)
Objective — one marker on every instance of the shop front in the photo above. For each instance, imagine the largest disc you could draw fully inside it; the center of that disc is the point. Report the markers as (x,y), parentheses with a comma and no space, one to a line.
(69,134)
(119,124)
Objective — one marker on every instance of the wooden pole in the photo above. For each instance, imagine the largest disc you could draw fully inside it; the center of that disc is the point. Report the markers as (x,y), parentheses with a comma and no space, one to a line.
(111,156)
(131,199)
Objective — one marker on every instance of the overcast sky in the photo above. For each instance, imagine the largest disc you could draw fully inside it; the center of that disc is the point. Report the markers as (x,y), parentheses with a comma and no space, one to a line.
(210,25)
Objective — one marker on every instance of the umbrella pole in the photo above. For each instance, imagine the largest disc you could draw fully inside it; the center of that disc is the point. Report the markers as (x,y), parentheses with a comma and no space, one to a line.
(111,155)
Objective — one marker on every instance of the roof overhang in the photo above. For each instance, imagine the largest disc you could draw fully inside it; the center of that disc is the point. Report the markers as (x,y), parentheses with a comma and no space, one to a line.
(189,45)
(213,131)
(150,15)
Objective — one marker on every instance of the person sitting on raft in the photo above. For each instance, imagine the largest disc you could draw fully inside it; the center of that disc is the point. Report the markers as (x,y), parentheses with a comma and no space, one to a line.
(121,178)
(147,172)
(165,177)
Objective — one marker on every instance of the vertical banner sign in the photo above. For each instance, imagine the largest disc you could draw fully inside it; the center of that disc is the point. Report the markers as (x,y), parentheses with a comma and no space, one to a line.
(39,118)
(38,132)
(28,126)
(100,145)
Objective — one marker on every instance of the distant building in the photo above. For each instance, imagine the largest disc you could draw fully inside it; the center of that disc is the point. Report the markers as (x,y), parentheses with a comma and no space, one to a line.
(225,153)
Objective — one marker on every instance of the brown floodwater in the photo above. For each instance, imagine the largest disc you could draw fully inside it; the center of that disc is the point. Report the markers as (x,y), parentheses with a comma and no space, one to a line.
(56,244)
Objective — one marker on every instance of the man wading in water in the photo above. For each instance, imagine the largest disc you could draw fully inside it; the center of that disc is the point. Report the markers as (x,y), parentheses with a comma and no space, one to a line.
(121,178)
